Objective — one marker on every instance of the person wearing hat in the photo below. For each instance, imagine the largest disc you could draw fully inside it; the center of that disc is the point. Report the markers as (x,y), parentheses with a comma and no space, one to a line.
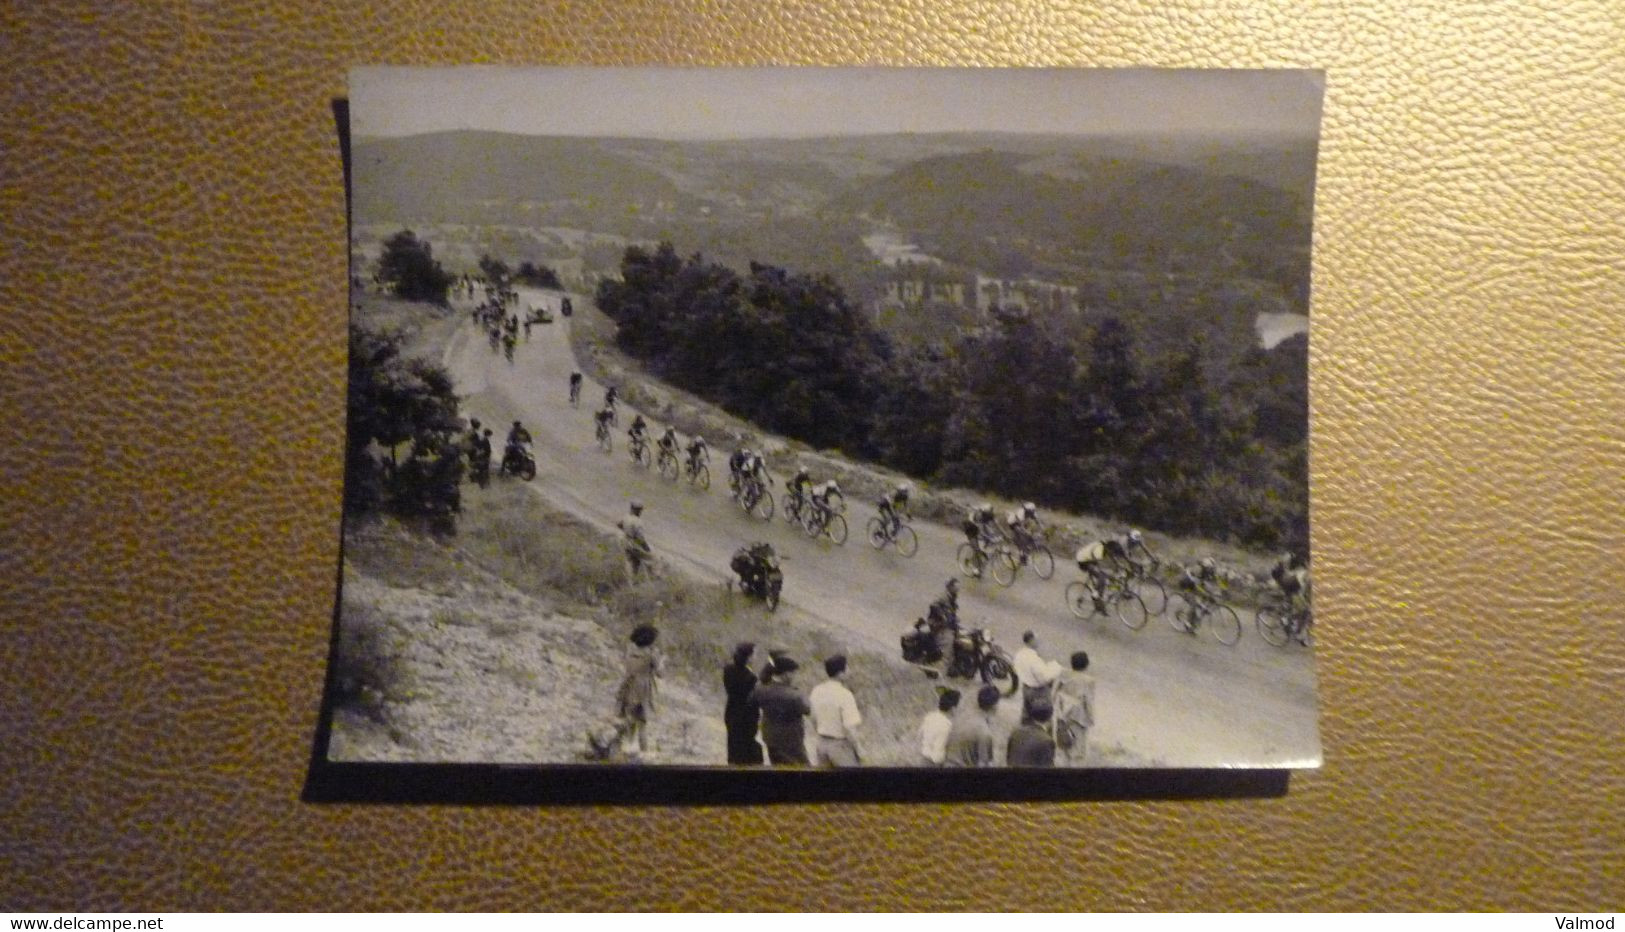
(638,552)
(835,718)
(636,697)
(741,714)
(783,708)
(970,740)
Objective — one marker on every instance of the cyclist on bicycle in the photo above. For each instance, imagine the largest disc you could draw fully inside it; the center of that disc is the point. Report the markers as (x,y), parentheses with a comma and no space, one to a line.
(1199,588)
(736,466)
(668,442)
(575,386)
(1091,558)
(604,416)
(609,397)
(638,432)
(756,470)
(698,453)
(1126,547)
(1291,575)
(894,507)
(981,530)
(821,494)
(799,485)
(1023,527)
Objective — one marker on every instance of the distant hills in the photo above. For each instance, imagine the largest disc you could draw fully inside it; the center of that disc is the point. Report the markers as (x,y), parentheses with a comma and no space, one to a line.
(1108,213)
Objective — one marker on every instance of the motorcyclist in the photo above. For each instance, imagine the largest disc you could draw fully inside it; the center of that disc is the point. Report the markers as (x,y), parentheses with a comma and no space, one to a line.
(894,507)
(753,563)
(942,618)
(518,443)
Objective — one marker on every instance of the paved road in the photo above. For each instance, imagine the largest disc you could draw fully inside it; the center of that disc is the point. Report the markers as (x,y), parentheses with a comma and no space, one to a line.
(1165,697)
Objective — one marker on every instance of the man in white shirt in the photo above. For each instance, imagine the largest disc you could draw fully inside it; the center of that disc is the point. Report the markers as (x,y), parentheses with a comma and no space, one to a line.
(835,718)
(935,727)
(636,546)
(1036,674)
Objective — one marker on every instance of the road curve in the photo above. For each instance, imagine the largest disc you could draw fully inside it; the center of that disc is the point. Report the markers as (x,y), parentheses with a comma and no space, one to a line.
(1164,698)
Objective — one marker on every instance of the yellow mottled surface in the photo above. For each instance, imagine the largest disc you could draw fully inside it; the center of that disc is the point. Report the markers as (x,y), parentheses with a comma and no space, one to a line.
(172,269)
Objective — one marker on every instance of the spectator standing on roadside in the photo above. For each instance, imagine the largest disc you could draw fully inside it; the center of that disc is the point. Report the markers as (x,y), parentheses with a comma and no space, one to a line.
(1030,744)
(782,707)
(1074,710)
(970,740)
(636,697)
(1036,674)
(835,718)
(934,729)
(638,552)
(741,715)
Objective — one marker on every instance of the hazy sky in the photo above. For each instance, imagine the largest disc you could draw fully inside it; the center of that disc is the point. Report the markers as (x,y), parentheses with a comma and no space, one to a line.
(703,103)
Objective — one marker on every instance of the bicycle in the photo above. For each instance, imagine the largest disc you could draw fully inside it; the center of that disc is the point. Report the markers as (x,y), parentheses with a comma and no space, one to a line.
(1036,554)
(606,440)
(639,450)
(754,498)
(1222,619)
(904,538)
(975,558)
(1279,624)
(1117,599)
(1151,589)
(698,474)
(821,521)
(667,463)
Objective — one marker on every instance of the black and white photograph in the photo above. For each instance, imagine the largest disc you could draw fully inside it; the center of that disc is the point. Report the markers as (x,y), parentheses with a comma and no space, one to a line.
(822,418)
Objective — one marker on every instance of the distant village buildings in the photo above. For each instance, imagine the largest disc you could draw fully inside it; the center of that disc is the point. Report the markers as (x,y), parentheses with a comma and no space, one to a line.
(918,287)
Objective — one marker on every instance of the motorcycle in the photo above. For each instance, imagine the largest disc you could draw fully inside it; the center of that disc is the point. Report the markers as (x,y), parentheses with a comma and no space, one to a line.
(759,573)
(975,654)
(519,461)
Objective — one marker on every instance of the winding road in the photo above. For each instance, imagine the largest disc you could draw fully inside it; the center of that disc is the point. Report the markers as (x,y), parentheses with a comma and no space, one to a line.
(1164,698)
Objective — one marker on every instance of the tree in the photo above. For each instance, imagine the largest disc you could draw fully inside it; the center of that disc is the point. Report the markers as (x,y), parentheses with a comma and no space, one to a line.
(538,276)
(495,270)
(395,403)
(409,268)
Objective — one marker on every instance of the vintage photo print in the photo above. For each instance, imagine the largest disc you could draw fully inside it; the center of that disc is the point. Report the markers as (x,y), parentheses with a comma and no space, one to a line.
(791,420)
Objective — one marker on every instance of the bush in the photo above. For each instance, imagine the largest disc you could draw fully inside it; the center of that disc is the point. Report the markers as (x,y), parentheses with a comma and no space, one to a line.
(409,268)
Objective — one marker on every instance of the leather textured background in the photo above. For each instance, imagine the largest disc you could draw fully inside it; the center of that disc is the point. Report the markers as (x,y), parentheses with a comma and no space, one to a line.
(172,268)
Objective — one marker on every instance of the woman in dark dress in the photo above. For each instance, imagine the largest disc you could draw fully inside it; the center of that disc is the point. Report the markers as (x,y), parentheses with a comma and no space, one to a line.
(741,715)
